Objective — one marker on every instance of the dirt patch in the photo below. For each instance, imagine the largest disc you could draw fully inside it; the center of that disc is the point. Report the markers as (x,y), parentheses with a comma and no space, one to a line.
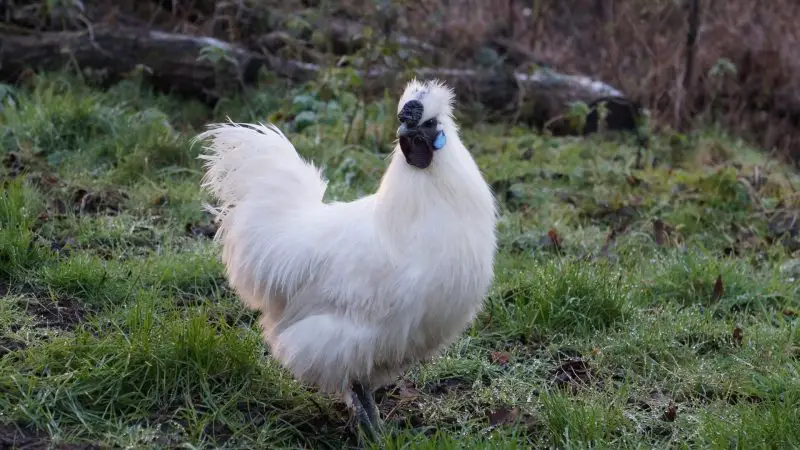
(574,373)
(201,230)
(745,241)
(64,245)
(108,201)
(13,164)
(617,218)
(56,210)
(63,314)
(399,404)
(17,164)
(317,424)
(447,386)
(784,227)
(310,424)
(508,415)
(12,437)
(8,345)
(47,182)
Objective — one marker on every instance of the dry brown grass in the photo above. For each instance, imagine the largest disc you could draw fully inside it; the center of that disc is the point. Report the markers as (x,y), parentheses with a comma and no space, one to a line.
(637,45)
(640,46)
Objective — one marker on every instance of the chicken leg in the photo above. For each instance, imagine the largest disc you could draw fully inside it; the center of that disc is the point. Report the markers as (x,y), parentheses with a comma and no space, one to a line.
(363,409)
(366,397)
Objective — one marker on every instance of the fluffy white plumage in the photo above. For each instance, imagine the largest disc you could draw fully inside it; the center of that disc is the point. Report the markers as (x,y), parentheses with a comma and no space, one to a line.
(353,291)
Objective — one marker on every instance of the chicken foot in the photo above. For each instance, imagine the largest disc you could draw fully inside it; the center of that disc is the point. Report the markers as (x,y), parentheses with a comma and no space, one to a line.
(363,409)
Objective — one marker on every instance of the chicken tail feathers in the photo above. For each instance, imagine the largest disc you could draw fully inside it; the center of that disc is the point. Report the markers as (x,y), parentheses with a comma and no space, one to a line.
(256,162)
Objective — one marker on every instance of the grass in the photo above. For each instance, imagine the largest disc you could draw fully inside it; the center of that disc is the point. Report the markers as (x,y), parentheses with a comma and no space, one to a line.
(631,308)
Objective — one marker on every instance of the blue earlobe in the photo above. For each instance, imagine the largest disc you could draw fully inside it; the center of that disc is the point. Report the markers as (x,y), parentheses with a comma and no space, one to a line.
(440,140)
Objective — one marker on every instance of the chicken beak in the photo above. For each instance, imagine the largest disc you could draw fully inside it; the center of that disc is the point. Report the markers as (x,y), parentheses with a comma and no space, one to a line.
(415,146)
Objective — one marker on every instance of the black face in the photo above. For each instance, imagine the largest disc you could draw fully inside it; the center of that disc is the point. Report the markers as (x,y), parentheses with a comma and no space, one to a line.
(416,139)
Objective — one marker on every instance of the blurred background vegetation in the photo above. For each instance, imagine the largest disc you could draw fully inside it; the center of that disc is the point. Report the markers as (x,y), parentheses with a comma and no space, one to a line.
(683,61)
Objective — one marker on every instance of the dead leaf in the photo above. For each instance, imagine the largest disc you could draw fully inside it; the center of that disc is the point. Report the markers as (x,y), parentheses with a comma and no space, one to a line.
(503,415)
(659,232)
(671,413)
(555,239)
(719,289)
(550,241)
(499,358)
(737,336)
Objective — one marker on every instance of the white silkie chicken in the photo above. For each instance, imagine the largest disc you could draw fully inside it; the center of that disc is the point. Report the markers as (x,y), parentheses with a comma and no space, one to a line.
(353,293)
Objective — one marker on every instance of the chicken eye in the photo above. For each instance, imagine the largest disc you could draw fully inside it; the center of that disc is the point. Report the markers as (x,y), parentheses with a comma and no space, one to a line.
(429,123)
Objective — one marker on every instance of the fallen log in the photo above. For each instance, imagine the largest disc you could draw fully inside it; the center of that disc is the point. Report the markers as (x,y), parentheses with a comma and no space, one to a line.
(192,65)
(209,68)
